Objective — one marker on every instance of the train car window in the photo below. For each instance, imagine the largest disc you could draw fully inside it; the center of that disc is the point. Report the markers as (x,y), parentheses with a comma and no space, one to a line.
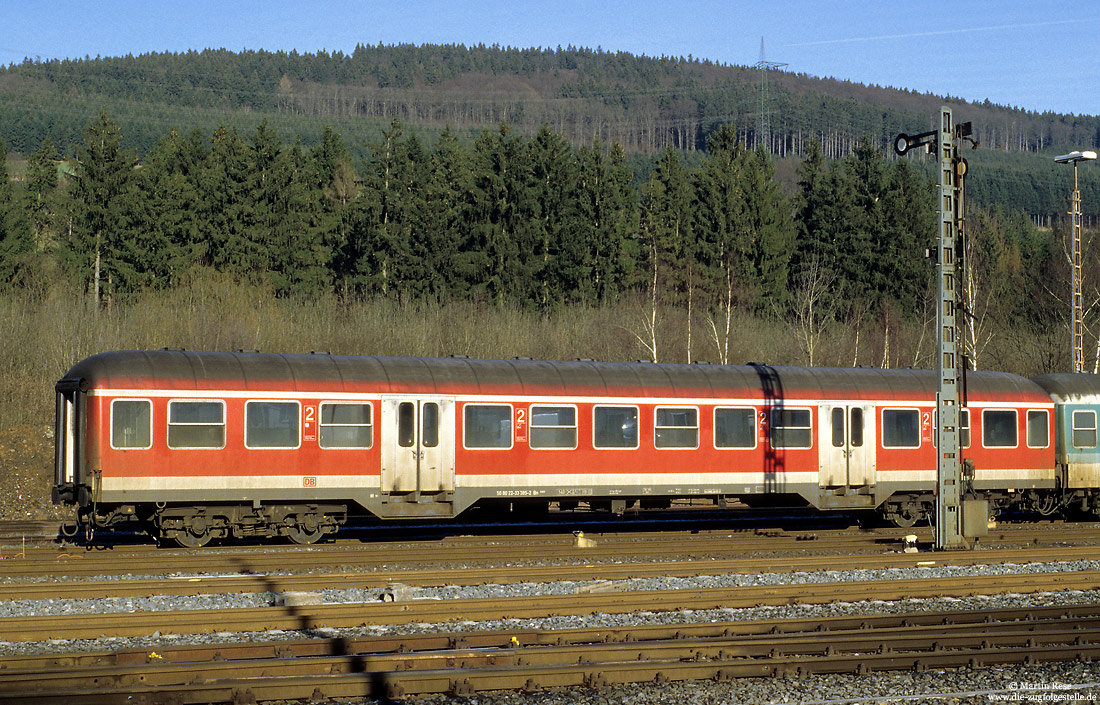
(676,427)
(1038,428)
(131,424)
(615,427)
(964,427)
(734,428)
(900,428)
(1084,429)
(791,428)
(553,427)
(999,428)
(855,428)
(346,425)
(838,427)
(487,426)
(271,424)
(406,424)
(196,424)
(429,424)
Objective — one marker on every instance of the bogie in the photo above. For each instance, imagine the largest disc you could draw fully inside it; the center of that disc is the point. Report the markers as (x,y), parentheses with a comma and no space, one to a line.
(196,526)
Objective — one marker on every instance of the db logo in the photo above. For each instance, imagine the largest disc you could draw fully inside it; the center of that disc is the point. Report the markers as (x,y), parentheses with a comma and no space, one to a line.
(309,482)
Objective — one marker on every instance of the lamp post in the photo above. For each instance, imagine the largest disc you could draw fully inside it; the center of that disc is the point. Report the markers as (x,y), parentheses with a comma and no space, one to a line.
(1075,258)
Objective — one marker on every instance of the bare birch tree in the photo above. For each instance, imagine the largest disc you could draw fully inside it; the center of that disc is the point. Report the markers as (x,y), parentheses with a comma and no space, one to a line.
(814,310)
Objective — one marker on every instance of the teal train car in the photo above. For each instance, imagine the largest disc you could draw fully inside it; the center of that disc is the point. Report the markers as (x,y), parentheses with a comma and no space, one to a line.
(1077,453)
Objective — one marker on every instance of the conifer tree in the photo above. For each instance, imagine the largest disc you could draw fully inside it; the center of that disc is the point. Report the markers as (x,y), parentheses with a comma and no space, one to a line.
(41,191)
(667,224)
(909,229)
(768,227)
(419,275)
(296,252)
(333,182)
(228,211)
(558,261)
(99,191)
(723,235)
(820,218)
(606,222)
(379,243)
(15,240)
(450,181)
(501,233)
(159,220)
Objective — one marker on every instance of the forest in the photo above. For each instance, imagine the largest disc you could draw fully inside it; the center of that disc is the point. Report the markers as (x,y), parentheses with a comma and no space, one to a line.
(643,104)
(237,230)
(533,223)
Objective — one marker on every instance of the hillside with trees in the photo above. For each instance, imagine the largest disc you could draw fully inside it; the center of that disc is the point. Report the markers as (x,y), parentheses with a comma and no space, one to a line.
(203,203)
(643,104)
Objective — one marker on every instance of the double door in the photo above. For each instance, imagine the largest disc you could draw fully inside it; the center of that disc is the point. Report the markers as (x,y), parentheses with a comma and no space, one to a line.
(846,456)
(418,444)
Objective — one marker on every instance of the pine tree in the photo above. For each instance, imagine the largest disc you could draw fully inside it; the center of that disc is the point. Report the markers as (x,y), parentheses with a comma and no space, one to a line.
(863,186)
(226,198)
(333,181)
(823,211)
(100,188)
(41,191)
(15,239)
(607,219)
(159,221)
(450,182)
(768,226)
(667,224)
(415,222)
(297,253)
(909,229)
(723,235)
(501,235)
(558,261)
(379,246)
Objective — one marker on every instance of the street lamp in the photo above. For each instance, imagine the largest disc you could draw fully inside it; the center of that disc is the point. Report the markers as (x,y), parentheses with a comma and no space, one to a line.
(1075,257)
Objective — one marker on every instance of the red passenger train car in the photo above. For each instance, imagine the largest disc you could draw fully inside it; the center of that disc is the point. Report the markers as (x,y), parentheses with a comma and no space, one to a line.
(198,446)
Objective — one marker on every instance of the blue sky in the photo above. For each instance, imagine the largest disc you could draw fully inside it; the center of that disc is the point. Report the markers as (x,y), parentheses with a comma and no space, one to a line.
(1038,55)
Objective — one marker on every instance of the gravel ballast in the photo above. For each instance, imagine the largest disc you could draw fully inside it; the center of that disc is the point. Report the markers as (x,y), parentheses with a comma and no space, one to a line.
(987,685)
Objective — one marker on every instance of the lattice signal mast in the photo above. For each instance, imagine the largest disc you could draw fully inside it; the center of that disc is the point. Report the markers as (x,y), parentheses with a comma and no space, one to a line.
(763,116)
(951,363)
(1076,309)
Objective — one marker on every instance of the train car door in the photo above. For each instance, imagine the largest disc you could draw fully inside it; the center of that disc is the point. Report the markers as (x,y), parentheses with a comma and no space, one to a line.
(847,445)
(418,444)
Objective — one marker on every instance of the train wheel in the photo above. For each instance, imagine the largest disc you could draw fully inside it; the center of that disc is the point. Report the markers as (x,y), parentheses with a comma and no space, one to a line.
(905,517)
(188,539)
(302,537)
(305,530)
(195,532)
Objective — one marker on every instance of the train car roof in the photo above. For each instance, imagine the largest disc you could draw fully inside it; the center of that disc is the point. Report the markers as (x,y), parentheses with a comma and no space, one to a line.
(251,371)
(1071,386)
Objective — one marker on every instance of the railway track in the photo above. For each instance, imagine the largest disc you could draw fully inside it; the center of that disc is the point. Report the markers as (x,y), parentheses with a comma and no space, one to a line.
(359,614)
(380,578)
(532,660)
(507,551)
(62,572)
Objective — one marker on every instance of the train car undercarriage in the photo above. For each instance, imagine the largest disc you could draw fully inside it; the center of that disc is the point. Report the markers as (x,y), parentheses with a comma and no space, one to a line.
(195,526)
